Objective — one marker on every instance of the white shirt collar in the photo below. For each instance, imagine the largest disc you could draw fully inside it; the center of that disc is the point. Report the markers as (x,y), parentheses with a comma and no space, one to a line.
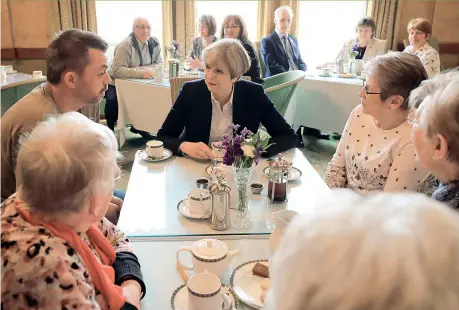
(281,35)
(227,105)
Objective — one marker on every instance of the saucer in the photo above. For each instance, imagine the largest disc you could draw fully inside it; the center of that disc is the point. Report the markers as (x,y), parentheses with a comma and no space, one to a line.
(143,155)
(185,211)
(209,168)
(247,286)
(293,173)
(179,298)
(12,72)
(325,75)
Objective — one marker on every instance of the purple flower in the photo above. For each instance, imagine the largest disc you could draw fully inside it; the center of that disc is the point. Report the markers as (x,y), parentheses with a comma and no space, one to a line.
(355,48)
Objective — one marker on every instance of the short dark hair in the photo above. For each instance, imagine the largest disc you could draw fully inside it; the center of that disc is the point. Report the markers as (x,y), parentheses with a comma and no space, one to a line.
(243,36)
(367,22)
(420,24)
(398,74)
(210,22)
(69,51)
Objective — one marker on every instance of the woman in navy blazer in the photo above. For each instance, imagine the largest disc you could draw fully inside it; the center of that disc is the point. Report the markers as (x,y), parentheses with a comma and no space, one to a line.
(205,108)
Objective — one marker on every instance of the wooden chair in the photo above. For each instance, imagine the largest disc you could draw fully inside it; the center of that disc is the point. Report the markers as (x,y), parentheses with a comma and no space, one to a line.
(177,83)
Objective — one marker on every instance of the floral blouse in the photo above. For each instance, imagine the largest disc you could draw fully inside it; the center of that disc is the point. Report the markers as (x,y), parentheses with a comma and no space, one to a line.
(42,271)
(429,58)
(448,193)
(370,159)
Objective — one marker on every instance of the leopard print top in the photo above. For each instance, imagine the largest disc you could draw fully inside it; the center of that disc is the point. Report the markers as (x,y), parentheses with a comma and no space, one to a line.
(42,271)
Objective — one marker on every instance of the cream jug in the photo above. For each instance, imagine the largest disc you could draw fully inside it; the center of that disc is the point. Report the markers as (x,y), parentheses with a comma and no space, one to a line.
(281,219)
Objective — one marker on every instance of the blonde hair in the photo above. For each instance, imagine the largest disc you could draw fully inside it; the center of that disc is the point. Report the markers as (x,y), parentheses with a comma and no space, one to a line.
(385,251)
(398,74)
(64,162)
(437,100)
(229,52)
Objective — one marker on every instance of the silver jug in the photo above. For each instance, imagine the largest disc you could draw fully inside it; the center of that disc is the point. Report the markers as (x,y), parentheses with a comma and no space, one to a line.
(220,193)
(340,65)
(173,68)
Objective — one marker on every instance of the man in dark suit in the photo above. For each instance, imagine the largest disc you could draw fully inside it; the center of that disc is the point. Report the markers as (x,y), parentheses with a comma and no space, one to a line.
(279,50)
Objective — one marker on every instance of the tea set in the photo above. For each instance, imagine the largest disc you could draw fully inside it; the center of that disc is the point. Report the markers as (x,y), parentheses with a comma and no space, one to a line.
(210,260)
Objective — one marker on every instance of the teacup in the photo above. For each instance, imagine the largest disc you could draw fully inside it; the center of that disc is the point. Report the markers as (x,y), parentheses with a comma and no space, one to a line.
(199,201)
(205,293)
(325,71)
(9,69)
(155,148)
(37,74)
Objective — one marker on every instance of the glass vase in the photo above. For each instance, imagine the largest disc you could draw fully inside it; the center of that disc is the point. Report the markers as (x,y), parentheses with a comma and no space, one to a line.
(242,176)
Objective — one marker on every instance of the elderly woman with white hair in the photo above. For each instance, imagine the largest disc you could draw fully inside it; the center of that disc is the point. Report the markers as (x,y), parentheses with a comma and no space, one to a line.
(385,251)
(435,133)
(58,250)
(204,109)
(375,152)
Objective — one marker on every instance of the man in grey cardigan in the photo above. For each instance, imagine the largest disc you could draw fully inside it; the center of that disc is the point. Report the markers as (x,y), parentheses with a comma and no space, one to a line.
(134,58)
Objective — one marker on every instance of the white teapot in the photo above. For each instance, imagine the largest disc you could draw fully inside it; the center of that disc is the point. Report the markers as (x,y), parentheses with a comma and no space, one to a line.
(282,219)
(208,254)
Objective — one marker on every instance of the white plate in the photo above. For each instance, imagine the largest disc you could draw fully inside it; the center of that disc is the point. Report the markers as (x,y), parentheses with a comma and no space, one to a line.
(185,211)
(246,286)
(345,75)
(325,75)
(12,72)
(179,298)
(143,155)
(293,173)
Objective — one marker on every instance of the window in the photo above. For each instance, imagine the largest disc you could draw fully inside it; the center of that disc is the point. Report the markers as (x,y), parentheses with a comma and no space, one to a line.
(219,9)
(324,26)
(115,18)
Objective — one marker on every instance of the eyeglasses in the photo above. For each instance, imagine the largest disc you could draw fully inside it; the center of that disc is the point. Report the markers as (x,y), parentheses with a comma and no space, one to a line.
(232,27)
(365,87)
(142,27)
(119,174)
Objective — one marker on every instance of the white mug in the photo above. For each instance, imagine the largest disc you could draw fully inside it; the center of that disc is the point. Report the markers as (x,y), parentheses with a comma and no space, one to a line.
(199,201)
(155,148)
(37,74)
(9,69)
(205,293)
(325,71)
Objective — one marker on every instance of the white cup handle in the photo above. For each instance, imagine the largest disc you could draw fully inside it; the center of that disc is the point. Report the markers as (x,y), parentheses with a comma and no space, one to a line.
(227,303)
(184,266)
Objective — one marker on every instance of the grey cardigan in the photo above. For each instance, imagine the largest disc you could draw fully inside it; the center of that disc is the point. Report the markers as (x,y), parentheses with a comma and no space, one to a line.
(197,48)
(128,56)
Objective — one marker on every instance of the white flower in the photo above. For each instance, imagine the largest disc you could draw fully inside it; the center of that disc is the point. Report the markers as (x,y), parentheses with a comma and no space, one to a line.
(248,150)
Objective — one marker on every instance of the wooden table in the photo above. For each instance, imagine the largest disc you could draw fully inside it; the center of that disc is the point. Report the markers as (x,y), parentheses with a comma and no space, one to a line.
(154,190)
(160,275)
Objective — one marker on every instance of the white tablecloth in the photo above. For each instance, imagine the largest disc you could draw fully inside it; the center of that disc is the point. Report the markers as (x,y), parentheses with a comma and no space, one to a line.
(323,102)
(142,103)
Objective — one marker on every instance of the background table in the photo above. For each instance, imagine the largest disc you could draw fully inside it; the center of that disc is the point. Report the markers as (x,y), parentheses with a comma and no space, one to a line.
(142,103)
(154,190)
(16,86)
(159,271)
(323,102)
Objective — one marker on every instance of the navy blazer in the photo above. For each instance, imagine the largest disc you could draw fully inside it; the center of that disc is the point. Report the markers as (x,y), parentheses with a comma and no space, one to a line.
(191,115)
(274,56)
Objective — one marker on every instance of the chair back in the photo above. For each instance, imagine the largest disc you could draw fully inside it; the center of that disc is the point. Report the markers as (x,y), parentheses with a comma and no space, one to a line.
(433,41)
(280,88)
(260,59)
(177,83)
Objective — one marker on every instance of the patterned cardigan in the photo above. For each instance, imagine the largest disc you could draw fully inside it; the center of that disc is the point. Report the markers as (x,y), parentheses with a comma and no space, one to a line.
(429,58)
(42,271)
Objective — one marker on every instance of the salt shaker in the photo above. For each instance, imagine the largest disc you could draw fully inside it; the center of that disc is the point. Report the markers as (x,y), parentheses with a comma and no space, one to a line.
(278,178)
(220,192)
